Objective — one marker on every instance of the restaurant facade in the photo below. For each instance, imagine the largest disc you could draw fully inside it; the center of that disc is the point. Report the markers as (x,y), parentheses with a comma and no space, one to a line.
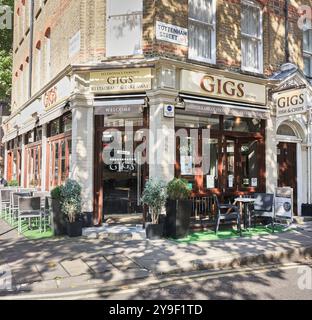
(199,96)
(112,129)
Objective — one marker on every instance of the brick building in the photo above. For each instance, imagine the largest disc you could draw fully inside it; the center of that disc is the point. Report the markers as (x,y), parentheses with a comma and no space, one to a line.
(84,68)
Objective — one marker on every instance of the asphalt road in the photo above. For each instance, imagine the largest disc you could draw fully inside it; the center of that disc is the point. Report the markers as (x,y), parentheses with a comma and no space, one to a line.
(290,281)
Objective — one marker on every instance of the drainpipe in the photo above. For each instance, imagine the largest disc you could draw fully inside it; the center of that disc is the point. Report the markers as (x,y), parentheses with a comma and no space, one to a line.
(286,32)
(31,46)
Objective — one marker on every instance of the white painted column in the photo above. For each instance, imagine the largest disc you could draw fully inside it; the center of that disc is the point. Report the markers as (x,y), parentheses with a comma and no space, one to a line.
(23,164)
(271,155)
(300,179)
(162,144)
(44,167)
(82,169)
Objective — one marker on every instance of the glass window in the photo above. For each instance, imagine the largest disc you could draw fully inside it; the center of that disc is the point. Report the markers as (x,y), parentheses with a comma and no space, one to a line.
(67,122)
(212,176)
(307,52)
(251,28)
(54,128)
(187,121)
(242,124)
(202,30)
(249,164)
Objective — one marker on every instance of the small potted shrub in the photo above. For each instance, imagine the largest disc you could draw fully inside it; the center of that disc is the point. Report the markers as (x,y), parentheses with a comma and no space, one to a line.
(59,222)
(154,196)
(13,183)
(179,209)
(71,207)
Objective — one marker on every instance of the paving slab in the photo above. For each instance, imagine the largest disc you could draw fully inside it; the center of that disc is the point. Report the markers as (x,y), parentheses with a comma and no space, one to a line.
(76,267)
(121,262)
(52,270)
(99,264)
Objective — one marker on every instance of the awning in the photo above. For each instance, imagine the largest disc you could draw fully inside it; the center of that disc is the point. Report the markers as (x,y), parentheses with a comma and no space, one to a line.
(119,104)
(206,106)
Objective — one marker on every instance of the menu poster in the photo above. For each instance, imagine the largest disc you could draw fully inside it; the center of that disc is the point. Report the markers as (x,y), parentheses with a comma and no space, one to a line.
(231,181)
(186,165)
(210,182)
(254,182)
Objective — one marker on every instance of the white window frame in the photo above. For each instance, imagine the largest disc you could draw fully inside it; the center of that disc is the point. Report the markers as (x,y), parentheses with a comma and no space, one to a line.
(38,73)
(307,54)
(213,28)
(258,39)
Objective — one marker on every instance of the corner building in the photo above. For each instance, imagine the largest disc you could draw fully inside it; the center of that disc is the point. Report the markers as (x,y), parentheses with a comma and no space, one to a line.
(84,69)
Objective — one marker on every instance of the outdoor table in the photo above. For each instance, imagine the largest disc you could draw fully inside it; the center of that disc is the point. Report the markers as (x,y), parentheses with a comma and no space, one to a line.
(245,202)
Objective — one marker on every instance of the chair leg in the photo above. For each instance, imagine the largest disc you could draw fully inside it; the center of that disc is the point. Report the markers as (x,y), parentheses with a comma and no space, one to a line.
(217,226)
(272,224)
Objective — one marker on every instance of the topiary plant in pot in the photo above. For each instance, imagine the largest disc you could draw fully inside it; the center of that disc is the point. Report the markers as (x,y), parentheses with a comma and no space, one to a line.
(154,196)
(179,209)
(59,222)
(71,207)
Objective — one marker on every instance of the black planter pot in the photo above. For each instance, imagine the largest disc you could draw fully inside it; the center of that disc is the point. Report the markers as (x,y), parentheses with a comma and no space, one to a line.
(87,219)
(74,229)
(306,210)
(154,231)
(178,218)
(59,221)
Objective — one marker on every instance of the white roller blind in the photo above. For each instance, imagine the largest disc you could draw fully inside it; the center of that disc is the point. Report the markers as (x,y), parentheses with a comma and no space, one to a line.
(124,27)
(251,28)
(202,31)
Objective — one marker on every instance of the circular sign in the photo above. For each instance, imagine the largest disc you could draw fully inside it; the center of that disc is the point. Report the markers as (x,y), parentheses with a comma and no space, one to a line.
(287,206)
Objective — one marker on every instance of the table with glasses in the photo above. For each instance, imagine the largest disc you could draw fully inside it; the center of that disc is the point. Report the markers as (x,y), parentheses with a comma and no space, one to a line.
(244,207)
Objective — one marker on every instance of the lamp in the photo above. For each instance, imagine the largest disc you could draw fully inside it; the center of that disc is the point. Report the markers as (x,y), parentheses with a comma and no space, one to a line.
(180,103)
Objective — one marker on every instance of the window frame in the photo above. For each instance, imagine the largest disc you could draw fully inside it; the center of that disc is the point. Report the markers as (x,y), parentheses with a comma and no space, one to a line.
(307,54)
(211,26)
(259,39)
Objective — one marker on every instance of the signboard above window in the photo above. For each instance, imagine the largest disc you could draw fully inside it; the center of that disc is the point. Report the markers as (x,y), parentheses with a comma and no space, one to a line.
(211,85)
(121,80)
(291,102)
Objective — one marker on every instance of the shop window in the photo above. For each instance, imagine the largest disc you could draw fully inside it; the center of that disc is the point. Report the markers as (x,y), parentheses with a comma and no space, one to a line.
(54,128)
(124,27)
(66,122)
(238,124)
(60,151)
(251,46)
(187,121)
(202,30)
(285,130)
(307,52)
(33,167)
(249,164)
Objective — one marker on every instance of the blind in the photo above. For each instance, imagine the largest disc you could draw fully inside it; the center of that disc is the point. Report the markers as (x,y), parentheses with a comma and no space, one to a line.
(201,29)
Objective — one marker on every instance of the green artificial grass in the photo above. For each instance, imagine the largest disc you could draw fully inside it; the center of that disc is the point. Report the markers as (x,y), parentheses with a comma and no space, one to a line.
(227,234)
(33,233)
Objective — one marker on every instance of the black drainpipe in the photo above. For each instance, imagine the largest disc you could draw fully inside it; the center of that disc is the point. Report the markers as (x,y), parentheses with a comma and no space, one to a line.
(31,47)
(286,32)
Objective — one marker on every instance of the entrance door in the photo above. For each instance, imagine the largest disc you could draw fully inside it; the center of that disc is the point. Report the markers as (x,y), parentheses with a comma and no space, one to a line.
(241,164)
(287,167)
(122,173)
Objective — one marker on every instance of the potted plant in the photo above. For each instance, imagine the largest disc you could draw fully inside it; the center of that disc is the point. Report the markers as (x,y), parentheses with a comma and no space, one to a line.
(59,222)
(179,209)
(154,196)
(71,207)
(13,183)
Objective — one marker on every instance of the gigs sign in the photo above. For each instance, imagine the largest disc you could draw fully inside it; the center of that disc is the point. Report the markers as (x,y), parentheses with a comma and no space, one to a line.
(121,80)
(291,102)
(222,87)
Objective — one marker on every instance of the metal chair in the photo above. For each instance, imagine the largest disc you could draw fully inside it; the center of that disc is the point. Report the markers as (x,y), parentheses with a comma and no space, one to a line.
(5,202)
(232,214)
(28,208)
(263,208)
(14,203)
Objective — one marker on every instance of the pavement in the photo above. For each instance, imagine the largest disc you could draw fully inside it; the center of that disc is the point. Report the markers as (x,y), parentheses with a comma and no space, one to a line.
(64,263)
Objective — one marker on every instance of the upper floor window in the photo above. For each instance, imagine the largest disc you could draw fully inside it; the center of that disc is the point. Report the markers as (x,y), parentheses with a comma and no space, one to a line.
(202,30)
(252,42)
(124,27)
(307,52)
(47,50)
